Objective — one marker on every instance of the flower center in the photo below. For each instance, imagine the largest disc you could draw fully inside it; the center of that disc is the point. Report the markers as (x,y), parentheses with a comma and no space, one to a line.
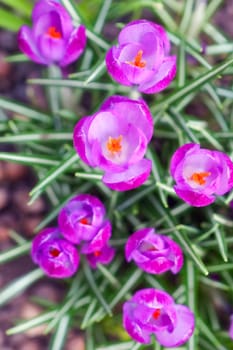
(54,252)
(200,178)
(114,144)
(156,314)
(54,33)
(84,221)
(138,62)
(97,253)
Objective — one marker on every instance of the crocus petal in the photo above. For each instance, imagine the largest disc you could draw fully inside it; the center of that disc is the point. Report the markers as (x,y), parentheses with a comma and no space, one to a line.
(132,177)
(180,154)
(182,331)
(134,240)
(43,7)
(153,298)
(99,240)
(114,67)
(57,257)
(27,45)
(104,257)
(157,266)
(135,30)
(196,199)
(75,46)
(231,328)
(133,328)
(134,111)
(80,140)
(51,49)
(175,255)
(162,78)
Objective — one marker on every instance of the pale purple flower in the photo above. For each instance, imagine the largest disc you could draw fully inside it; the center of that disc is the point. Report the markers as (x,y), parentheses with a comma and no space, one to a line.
(115,140)
(53,39)
(231,327)
(103,255)
(82,219)
(142,57)
(151,311)
(153,253)
(55,255)
(200,174)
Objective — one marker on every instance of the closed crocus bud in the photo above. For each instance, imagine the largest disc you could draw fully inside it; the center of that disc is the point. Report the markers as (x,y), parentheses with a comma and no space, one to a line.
(103,255)
(201,174)
(152,311)
(154,253)
(53,39)
(82,219)
(56,256)
(142,57)
(115,140)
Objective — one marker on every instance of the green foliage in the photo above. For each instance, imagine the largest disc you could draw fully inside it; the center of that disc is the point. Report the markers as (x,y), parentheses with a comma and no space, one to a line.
(197,107)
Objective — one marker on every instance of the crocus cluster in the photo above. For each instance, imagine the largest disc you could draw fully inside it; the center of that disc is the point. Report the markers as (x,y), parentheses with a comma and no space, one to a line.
(154,253)
(115,140)
(80,222)
(53,39)
(201,174)
(142,57)
(151,311)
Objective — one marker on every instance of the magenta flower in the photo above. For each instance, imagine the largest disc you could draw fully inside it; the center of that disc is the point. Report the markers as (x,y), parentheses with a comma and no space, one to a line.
(141,58)
(52,38)
(200,174)
(151,311)
(153,253)
(82,219)
(56,256)
(104,256)
(115,140)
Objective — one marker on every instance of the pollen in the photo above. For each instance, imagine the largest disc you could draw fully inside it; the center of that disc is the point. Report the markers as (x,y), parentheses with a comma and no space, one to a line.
(156,314)
(54,252)
(138,62)
(200,178)
(114,144)
(97,253)
(54,33)
(84,221)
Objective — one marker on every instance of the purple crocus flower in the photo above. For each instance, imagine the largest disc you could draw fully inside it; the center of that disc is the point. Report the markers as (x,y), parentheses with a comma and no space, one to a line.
(153,253)
(115,140)
(151,311)
(200,174)
(231,327)
(142,57)
(82,219)
(52,38)
(56,256)
(104,256)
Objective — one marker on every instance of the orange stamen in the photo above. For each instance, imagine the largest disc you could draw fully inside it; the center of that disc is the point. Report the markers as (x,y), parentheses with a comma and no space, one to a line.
(199,178)
(114,144)
(84,221)
(97,253)
(156,314)
(54,33)
(54,252)
(138,62)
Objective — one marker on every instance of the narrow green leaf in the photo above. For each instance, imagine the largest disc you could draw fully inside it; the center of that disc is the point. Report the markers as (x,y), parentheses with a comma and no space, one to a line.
(92,283)
(60,335)
(54,173)
(23,6)
(19,285)
(193,86)
(40,137)
(27,160)
(210,335)
(18,108)
(14,253)
(32,323)
(10,21)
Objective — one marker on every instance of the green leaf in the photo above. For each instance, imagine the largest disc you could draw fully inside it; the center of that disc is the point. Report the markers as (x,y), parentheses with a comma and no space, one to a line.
(23,6)
(19,285)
